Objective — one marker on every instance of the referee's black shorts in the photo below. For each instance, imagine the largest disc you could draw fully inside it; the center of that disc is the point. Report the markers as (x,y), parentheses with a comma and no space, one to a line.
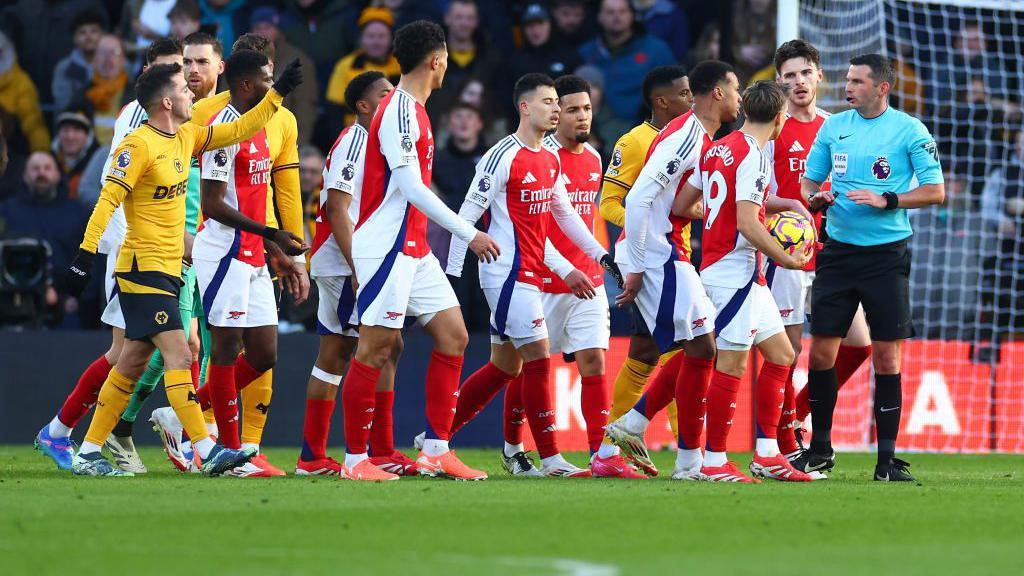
(149,303)
(877,277)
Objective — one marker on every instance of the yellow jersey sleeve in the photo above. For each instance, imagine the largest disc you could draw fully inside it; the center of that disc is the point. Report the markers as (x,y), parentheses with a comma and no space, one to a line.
(130,162)
(216,136)
(206,108)
(285,176)
(627,161)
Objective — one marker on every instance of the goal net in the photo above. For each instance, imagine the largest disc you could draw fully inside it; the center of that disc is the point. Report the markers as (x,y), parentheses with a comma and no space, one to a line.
(960,68)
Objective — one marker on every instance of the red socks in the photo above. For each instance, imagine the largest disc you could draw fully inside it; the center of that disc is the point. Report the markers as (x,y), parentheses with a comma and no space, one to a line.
(785,436)
(663,388)
(195,374)
(595,406)
(540,410)
(848,360)
(515,413)
(771,385)
(442,389)
(477,391)
(85,392)
(224,400)
(244,373)
(722,394)
(691,388)
(382,437)
(357,399)
(315,429)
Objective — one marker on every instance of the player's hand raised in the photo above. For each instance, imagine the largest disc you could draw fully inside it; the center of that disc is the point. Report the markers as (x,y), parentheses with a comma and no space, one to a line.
(630,288)
(821,200)
(79,272)
(580,285)
(485,248)
(290,78)
(612,268)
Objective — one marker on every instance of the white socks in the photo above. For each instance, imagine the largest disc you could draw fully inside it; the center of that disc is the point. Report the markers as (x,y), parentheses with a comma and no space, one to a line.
(352,459)
(253,445)
(555,460)
(715,459)
(58,429)
(511,449)
(204,447)
(767,447)
(434,447)
(607,451)
(88,448)
(689,459)
(634,421)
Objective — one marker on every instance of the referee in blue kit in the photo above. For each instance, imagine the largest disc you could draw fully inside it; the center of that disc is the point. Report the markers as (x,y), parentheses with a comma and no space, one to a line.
(882,163)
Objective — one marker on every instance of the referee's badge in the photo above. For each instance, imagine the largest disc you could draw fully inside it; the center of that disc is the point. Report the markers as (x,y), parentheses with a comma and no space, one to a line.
(881,168)
(839,161)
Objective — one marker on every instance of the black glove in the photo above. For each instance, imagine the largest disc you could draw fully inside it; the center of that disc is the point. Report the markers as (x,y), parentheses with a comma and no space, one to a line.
(290,78)
(79,272)
(612,268)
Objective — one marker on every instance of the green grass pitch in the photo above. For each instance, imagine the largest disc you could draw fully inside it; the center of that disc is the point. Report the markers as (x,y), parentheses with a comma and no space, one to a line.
(966,517)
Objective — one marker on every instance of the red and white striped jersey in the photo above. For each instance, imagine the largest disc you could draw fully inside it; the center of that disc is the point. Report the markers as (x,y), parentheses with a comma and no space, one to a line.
(581,175)
(399,135)
(245,167)
(734,169)
(788,153)
(514,184)
(673,155)
(343,171)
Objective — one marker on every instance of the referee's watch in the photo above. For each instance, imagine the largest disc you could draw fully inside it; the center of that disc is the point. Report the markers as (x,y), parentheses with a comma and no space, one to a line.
(892,200)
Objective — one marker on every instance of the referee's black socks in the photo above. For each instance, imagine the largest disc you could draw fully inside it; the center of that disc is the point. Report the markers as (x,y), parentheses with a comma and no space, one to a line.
(888,406)
(822,389)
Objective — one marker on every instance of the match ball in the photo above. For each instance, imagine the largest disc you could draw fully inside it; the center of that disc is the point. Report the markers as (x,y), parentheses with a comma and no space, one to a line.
(793,231)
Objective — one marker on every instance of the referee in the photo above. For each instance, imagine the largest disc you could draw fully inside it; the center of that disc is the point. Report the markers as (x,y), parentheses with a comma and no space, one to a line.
(874,154)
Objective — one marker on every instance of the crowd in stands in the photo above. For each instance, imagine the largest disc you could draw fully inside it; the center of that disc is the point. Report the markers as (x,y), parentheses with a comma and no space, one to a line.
(68,66)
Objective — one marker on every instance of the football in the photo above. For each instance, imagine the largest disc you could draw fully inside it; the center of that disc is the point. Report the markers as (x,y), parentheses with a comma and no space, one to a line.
(793,231)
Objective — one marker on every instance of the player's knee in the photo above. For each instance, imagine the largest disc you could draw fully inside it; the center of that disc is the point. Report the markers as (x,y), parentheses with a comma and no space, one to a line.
(886,360)
(702,347)
(820,359)
(590,362)
(225,350)
(643,350)
(452,342)
(375,356)
(266,360)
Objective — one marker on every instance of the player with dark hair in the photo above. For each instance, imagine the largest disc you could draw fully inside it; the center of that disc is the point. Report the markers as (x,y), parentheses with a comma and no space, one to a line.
(149,175)
(519,183)
(661,282)
(798,66)
(872,152)
(398,275)
(734,178)
(667,94)
(54,439)
(331,265)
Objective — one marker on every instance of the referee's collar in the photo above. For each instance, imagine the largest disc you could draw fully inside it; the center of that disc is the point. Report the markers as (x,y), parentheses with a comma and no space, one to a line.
(884,112)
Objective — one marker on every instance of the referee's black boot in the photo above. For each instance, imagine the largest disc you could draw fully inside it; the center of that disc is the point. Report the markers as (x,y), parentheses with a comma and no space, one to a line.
(809,461)
(895,471)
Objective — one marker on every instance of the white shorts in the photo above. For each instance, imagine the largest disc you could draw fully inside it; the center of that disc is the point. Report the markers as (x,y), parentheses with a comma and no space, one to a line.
(236,294)
(744,323)
(336,312)
(112,312)
(576,324)
(517,313)
(398,285)
(674,305)
(791,290)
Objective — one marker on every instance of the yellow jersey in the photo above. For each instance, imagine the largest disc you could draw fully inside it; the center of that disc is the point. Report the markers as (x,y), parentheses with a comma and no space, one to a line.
(149,175)
(283,141)
(627,162)
(348,68)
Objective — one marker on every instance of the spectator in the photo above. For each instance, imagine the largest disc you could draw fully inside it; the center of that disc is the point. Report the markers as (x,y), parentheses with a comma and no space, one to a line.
(227,17)
(664,19)
(109,87)
(540,52)
(41,33)
(455,163)
(74,147)
(143,21)
(753,37)
(571,24)
(20,115)
(321,29)
(468,56)
(311,172)
(708,46)
(41,209)
(74,72)
(970,58)
(184,18)
(480,96)
(624,57)
(374,53)
(304,101)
